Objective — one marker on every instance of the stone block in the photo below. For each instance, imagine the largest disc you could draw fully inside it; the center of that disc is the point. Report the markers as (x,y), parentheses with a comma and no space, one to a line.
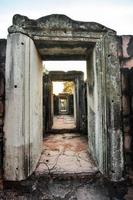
(125,105)
(127,142)
(131,82)
(125,83)
(1,108)
(127,46)
(2,86)
(128,63)
(126,125)
(1,121)
(2,48)
(1,184)
(23,108)
(120,50)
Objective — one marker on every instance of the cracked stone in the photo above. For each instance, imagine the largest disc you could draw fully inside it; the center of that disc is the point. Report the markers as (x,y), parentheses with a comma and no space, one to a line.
(72,156)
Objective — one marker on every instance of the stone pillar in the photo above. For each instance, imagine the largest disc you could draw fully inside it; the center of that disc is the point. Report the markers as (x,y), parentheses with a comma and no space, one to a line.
(2,101)
(77,106)
(113,121)
(23,107)
(71,104)
(82,109)
(126,58)
(56,105)
(74,99)
(47,103)
(104,108)
(91,105)
(52,106)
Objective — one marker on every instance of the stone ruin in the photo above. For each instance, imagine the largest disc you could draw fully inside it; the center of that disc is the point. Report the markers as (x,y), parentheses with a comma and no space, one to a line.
(109,91)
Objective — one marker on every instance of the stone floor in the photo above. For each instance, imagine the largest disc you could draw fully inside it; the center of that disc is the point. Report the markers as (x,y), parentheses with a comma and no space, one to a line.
(65,154)
(65,172)
(63,122)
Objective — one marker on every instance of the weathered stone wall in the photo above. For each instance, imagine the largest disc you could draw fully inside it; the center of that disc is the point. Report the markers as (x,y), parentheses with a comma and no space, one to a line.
(126,60)
(56,105)
(2,99)
(71,104)
(104,108)
(23,107)
(47,101)
(114,139)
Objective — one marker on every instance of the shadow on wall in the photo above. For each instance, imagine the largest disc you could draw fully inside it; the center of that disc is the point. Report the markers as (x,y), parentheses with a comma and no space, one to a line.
(2,100)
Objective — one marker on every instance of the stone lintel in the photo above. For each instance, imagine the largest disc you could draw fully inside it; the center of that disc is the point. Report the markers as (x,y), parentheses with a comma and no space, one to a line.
(54,22)
(65,76)
(58,37)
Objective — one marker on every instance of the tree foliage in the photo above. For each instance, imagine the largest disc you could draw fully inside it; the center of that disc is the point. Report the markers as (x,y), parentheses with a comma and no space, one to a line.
(68,87)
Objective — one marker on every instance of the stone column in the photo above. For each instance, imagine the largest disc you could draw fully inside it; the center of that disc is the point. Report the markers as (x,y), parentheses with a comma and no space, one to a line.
(126,57)
(113,110)
(2,102)
(74,104)
(23,107)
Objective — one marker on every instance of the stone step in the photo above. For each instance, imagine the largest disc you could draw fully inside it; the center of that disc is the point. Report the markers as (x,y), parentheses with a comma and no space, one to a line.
(70,176)
(59,187)
(63,130)
(81,187)
(52,177)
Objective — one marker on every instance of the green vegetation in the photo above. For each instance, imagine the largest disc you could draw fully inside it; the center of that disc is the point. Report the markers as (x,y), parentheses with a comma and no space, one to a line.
(68,87)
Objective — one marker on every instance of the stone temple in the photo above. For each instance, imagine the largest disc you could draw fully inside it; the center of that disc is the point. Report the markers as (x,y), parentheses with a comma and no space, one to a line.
(98,116)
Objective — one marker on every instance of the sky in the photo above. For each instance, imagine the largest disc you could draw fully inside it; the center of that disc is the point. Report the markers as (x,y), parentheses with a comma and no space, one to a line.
(58,87)
(115,14)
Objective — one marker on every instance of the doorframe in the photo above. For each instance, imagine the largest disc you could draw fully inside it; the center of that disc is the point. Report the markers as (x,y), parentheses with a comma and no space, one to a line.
(107,68)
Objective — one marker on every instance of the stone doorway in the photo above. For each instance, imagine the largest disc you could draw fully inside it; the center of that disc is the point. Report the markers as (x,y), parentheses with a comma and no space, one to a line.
(63,107)
(75,102)
(51,38)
